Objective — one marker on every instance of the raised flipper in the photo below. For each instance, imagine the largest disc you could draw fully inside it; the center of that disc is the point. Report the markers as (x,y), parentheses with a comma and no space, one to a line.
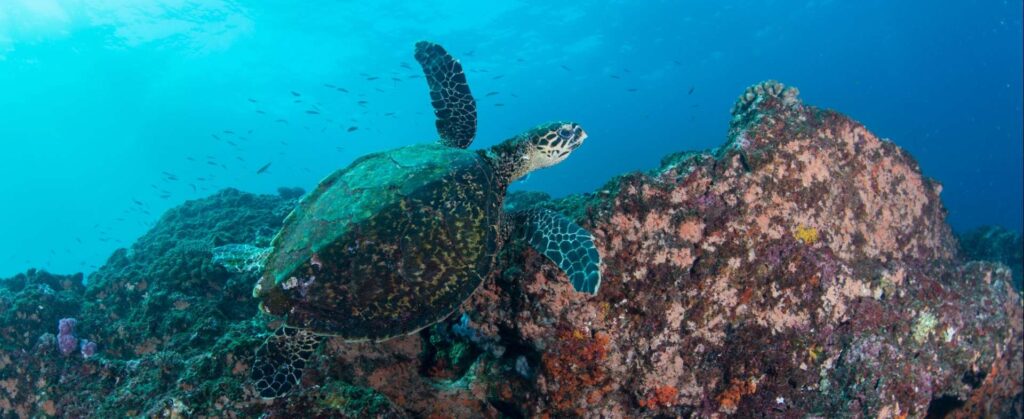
(281,359)
(564,242)
(453,104)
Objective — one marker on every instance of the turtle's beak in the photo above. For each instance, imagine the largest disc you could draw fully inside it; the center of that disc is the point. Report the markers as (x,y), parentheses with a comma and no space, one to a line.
(578,137)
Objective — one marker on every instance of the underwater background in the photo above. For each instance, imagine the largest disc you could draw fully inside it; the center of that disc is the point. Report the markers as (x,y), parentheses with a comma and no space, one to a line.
(113,111)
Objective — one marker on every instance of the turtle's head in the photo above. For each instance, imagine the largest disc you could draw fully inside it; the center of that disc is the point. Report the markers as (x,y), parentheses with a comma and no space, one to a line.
(543,146)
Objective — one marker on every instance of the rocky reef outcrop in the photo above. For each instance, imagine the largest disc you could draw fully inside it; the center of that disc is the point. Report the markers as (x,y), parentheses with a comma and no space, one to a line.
(804,268)
(996,244)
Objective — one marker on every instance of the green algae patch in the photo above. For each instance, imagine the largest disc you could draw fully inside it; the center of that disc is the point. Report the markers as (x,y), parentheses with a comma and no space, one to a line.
(923,326)
(354,401)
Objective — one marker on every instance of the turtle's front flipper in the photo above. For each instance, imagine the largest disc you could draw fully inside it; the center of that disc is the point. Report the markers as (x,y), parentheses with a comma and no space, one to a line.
(564,242)
(453,104)
(281,359)
(241,257)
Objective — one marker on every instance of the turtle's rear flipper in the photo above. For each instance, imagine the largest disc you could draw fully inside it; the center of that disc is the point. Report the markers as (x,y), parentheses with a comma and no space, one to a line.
(281,359)
(453,104)
(564,242)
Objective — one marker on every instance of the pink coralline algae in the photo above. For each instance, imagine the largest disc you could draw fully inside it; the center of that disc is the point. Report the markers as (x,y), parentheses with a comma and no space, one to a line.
(66,340)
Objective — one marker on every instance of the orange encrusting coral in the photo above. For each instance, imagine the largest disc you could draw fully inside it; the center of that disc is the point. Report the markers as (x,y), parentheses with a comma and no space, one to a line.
(575,367)
(729,399)
(663,396)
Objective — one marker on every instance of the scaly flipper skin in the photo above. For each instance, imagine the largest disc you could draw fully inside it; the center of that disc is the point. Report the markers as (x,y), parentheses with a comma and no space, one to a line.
(281,359)
(564,242)
(453,104)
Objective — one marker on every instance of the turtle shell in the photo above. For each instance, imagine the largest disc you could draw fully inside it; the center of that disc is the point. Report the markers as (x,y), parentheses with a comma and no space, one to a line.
(393,243)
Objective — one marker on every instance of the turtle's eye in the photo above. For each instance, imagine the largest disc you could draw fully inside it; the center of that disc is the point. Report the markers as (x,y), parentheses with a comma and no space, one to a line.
(565,133)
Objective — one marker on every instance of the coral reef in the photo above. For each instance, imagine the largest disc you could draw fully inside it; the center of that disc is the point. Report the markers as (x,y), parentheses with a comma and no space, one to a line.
(804,268)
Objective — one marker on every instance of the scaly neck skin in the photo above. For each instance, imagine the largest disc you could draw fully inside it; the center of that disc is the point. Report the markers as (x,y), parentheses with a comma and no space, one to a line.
(510,159)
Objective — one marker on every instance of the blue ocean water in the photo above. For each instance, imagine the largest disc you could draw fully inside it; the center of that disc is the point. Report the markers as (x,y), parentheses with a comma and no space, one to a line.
(112,111)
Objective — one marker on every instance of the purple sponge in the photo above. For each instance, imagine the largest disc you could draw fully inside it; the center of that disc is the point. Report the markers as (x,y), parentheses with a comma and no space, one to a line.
(66,340)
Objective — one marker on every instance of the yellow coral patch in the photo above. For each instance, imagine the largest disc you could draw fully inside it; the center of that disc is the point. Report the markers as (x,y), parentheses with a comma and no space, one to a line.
(808,235)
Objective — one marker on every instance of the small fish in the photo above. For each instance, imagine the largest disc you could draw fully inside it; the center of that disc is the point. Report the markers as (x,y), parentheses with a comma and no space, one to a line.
(490,94)
(260,112)
(676,62)
(498,77)
(378,89)
(137,202)
(396,79)
(328,85)
(566,68)
(372,78)
(499,104)
(691,90)
(229,132)
(232,143)
(239,158)
(281,120)
(215,137)
(614,76)
(312,112)
(190,158)
(297,101)
(389,114)
(251,100)
(362,103)
(296,94)
(200,178)
(211,163)
(342,89)
(263,169)
(405,65)
(193,187)
(352,128)
(470,53)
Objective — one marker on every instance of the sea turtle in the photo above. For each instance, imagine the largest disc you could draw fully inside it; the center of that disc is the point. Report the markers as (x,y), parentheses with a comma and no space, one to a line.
(397,240)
